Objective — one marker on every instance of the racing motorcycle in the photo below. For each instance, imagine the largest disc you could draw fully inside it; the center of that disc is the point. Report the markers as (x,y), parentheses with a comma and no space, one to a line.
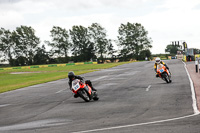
(164,73)
(84,91)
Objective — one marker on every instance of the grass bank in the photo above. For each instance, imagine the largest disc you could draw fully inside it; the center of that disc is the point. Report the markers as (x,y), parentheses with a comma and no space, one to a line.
(18,78)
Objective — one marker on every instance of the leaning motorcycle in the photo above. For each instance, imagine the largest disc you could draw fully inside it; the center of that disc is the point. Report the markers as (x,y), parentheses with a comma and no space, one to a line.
(83,90)
(164,73)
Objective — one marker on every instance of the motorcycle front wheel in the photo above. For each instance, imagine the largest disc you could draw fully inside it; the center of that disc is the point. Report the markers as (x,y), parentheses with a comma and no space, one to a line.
(84,95)
(166,77)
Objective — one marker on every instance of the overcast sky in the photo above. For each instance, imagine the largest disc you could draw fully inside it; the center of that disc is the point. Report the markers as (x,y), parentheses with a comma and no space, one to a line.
(165,20)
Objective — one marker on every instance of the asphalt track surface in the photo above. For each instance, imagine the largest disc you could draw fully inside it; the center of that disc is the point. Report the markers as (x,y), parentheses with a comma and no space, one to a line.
(132,100)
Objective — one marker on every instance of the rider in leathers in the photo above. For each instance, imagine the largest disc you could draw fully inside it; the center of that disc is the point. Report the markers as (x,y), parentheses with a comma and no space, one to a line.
(158,61)
(72,76)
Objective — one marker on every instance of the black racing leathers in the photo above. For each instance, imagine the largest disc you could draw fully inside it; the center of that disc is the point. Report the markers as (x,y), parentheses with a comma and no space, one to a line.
(70,80)
(81,78)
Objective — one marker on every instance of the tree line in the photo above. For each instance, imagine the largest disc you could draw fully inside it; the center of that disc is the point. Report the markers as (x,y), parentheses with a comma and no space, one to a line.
(22,47)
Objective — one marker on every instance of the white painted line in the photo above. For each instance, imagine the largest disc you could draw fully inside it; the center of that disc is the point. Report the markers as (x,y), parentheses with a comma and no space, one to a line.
(134,125)
(100,78)
(60,91)
(147,89)
(4,105)
(196,111)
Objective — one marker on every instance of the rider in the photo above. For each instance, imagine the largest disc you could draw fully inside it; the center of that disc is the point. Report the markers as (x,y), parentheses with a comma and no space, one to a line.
(72,76)
(158,61)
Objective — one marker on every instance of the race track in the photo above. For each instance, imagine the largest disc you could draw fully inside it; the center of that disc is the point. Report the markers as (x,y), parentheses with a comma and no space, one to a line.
(132,100)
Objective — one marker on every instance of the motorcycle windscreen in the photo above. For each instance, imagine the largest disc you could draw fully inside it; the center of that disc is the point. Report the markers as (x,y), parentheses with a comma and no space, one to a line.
(75,84)
(159,66)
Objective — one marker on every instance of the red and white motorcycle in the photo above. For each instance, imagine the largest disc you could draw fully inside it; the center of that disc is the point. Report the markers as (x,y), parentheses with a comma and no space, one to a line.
(83,90)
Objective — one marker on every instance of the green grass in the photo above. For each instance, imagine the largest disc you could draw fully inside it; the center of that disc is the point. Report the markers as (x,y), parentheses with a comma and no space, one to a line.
(9,81)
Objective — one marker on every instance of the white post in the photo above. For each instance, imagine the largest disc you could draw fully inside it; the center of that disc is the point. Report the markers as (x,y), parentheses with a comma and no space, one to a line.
(199,64)
(196,64)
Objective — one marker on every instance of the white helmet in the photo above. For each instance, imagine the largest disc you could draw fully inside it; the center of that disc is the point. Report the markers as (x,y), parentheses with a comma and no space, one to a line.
(158,60)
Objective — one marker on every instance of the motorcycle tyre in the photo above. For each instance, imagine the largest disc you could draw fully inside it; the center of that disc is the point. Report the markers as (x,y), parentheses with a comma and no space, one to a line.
(166,77)
(83,96)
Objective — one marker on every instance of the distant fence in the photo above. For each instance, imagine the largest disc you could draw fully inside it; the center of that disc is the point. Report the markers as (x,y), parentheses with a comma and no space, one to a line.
(53,65)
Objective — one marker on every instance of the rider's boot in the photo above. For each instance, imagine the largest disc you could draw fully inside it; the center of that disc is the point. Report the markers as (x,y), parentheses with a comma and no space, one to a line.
(93,89)
(157,75)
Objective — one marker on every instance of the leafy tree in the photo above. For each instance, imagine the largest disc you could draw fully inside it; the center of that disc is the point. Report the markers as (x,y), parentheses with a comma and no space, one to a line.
(123,55)
(7,47)
(41,56)
(20,61)
(26,43)
(98,35)
(111,50)
(60,42)
(144,54)
(133,38)
(172,49)
(82,47)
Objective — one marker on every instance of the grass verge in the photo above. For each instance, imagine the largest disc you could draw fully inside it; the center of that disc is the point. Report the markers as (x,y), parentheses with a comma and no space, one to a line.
(10,81)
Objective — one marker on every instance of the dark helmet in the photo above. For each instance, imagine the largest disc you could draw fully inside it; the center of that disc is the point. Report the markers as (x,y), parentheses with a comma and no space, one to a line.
(71,75)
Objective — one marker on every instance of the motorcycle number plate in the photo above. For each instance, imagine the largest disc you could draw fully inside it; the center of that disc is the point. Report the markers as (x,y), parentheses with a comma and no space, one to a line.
(161,70)
(76,87)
